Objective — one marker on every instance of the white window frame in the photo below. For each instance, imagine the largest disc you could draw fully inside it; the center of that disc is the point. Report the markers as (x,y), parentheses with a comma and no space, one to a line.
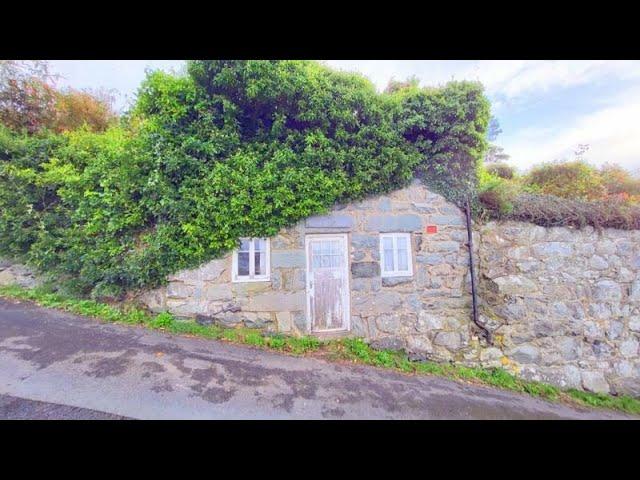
(396,272)
(252,277)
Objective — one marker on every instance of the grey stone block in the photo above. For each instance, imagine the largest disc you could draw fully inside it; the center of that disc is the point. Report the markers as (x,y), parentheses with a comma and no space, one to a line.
(393,281)
(330,221)
(430,259)
(300,321)
(424,207)
(446,246)
(288,259)
(607,290)
(179,290)
(457,220)
(595,382)
(365,269)
(553,249)
(359,240)
(387,343)
(449,340)
(598,263)
(525,354)
(277,302)
(388,323)
(629,348)
(394,223)
(358,256)
(384,205)
(205,319)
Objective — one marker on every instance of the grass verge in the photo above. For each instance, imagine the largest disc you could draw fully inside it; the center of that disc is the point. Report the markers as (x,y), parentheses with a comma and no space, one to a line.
(347,349)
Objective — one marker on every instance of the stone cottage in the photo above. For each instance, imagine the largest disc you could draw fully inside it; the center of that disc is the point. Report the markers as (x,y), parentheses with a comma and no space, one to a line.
(391,269)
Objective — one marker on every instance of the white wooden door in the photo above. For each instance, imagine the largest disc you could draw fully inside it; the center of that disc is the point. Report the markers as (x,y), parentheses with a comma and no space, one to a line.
(327,282)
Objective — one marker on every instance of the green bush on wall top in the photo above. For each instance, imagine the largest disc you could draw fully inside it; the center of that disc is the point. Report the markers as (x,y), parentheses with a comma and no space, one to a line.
(230,149)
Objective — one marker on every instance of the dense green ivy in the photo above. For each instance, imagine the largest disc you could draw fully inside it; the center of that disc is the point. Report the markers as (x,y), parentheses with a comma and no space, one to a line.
(230,149)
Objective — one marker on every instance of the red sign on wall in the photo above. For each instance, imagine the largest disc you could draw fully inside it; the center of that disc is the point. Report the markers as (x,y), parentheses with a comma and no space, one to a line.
(432,229)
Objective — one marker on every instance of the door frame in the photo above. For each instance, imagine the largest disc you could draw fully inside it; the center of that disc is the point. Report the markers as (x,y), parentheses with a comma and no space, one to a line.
(346,294)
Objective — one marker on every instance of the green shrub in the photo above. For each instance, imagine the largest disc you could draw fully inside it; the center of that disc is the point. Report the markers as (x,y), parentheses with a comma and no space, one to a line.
(574,180)
(502,170)
(496,194)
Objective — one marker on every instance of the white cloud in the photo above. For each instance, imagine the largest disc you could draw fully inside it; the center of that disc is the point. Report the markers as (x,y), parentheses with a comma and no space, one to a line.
(515,79)
(612,132)
(508,78)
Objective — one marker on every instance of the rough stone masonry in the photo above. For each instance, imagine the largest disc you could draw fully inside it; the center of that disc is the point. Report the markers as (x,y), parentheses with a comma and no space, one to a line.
(563,304)
(426,313)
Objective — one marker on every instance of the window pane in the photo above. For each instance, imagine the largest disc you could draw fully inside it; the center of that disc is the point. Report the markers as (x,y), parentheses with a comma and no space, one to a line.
(403,263)
(401,242)
(387,243)
(260,260)
(244,245)
(243,263)
(325,262)
(260,244)
(388,260)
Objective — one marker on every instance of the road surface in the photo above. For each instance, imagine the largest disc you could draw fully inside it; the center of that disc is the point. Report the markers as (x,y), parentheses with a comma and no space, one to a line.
(81,368)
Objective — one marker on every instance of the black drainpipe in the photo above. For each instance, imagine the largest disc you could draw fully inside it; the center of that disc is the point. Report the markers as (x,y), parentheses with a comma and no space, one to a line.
(474,294)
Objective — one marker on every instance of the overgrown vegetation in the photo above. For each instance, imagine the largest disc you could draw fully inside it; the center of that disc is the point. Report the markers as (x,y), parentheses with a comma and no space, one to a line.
(349,349)
(562,193)
(229,149)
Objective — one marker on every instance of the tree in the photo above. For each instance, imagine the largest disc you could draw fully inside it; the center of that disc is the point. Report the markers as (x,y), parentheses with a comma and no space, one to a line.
(495,153)
(448,127)
(75,109)
(30,101)
(27,95)
(493,130)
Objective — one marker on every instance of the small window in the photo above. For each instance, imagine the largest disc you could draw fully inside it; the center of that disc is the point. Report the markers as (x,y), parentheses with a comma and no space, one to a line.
(395,255)
(251,260)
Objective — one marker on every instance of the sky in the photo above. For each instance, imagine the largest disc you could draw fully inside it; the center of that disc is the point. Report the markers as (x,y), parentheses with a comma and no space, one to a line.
(546,108)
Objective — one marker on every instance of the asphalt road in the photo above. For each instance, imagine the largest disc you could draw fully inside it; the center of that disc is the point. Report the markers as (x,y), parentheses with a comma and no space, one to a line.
(14,408)
(57,365)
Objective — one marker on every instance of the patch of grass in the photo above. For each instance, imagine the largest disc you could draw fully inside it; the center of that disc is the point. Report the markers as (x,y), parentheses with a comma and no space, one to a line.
(162,320)
(624,403)
(354,350)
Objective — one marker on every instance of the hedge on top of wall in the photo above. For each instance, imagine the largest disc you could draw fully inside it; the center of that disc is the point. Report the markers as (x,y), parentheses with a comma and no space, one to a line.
(229,149)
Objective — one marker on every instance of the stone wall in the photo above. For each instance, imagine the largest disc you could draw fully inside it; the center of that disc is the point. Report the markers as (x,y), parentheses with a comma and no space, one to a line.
(428,313)
(12,273)
(564,304)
